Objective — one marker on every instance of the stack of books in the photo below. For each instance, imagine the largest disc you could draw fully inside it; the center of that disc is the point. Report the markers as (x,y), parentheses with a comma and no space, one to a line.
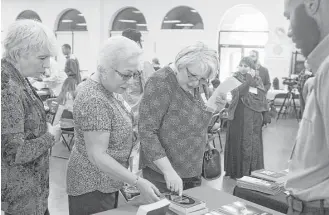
(268,175)
(238,208)
(259,185)
(186,205)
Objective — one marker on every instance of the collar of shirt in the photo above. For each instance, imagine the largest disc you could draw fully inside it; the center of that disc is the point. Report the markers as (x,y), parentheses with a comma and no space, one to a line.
(318,55)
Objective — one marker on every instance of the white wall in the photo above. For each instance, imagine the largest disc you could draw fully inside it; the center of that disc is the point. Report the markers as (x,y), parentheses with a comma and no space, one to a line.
(164,44)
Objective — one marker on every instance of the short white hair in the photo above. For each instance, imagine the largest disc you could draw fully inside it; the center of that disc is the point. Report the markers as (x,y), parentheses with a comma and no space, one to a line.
(116,50)
(199,54)
(28,37)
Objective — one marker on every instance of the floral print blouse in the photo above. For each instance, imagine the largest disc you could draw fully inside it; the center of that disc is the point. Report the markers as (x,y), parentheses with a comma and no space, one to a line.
(96,109)
(25,145)
(172,123)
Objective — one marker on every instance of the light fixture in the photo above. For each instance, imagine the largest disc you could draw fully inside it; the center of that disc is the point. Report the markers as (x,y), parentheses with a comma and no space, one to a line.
(80,14)
(185,25)
(67,20)
(136,11)
(171,21)
(127,20)
(140,24)
(82,24)
(194,11)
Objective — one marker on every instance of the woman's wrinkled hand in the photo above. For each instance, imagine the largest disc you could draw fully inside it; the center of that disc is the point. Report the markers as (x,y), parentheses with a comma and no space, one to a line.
(174,182)
(149,192)
(55,131)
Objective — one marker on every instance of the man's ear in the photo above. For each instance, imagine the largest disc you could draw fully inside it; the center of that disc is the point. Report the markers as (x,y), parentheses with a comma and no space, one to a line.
(312,7)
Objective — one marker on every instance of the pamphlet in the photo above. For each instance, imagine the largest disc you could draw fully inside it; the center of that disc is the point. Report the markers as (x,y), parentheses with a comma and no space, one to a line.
(227,86)
(55,112)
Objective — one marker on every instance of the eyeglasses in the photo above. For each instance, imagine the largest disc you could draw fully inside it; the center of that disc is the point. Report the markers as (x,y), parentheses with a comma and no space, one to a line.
(244,66)
(194,77)
(127,77)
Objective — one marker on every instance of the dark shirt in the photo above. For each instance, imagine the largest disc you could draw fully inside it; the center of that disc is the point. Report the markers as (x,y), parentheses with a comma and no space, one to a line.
(25,145)
(172,123)
(265,76)
(72,68)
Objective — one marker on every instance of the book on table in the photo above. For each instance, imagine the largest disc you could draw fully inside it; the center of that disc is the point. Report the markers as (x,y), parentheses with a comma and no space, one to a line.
(259,185)
(158,208)
(277,177)
(185,204)
(238,208)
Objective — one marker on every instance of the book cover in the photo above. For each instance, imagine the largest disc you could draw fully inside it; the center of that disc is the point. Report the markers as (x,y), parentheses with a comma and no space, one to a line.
(185,203)
(238,208)
(158,208)
(268,175)
(129,192)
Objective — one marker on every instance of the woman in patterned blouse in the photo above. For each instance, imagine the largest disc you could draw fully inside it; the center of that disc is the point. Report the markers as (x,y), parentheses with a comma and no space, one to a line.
(97,167)
(173,120)
(25,138)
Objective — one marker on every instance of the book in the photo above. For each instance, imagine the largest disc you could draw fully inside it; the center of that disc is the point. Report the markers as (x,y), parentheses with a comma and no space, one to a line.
(228,85)
(238,208)
(54,114)
(158,208)
(185,204)
(198,212)
(259,185)
(129,192)
(269,175)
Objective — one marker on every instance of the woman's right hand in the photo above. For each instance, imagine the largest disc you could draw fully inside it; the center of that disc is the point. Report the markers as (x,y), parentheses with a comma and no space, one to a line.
(149,191)
(174,182)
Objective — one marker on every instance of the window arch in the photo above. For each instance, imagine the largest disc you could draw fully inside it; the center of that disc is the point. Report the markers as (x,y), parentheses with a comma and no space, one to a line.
(182,17)
(29,14)
(72,20)
(129,18)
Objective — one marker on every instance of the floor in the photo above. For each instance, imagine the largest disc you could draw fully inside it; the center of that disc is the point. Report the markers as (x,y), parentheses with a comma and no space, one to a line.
(278,141)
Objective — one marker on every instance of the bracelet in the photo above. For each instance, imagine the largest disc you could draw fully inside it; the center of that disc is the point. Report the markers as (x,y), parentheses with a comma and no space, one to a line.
(136,181)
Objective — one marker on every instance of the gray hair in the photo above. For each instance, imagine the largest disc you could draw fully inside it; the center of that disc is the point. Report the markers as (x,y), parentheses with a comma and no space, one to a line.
(116,50)
(28,37)
(201,54)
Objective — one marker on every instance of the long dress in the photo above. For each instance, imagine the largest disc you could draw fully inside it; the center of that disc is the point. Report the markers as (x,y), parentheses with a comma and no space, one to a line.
(244,143)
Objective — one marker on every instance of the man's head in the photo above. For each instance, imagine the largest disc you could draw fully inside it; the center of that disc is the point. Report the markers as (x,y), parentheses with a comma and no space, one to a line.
(66,49)
(309,22)
(254,55)
(133,35)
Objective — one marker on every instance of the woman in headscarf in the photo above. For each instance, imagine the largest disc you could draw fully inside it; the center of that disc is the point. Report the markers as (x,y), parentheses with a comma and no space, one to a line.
(244,143)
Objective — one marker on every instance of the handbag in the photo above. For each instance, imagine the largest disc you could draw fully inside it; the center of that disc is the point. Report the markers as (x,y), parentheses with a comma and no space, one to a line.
(211,166)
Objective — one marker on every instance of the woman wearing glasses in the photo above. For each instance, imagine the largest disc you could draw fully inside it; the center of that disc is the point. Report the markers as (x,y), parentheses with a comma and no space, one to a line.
(173,120)
(97,167)
(244,141)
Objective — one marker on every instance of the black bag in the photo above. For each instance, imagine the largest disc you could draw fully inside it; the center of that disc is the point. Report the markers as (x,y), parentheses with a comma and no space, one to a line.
(211,167)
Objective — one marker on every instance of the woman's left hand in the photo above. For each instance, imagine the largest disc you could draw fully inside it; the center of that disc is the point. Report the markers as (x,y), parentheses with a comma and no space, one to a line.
(221,102)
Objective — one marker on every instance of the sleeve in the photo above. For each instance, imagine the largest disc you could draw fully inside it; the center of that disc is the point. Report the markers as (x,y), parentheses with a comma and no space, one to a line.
(14,146)
(94,115)
(321,88)
(153,107)
(267,83)
(243,89)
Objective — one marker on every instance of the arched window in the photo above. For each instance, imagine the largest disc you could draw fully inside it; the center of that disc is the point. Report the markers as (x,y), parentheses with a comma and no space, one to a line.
(129,18)
(72,20)
(182,17)
(28,14)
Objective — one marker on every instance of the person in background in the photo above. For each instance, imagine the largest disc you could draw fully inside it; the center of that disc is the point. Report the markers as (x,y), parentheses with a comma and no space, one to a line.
(67,96)
(214,84)
(244,142)
(263,71)
(156,64)
(25,136)
(173,120)
(308,177)
(98,164)
(303,76)
(72,67)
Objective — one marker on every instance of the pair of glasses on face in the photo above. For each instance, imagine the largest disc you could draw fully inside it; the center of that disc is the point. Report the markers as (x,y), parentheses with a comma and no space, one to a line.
(194,77)
(126,77)
(244,66)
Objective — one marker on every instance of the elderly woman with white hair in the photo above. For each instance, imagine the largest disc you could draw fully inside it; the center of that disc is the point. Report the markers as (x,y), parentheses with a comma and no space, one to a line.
(173,120)
(97,167)
(25,136)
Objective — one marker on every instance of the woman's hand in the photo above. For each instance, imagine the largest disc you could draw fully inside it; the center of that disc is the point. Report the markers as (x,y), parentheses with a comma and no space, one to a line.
(252,72)
(174,182)
(55,131)
(221,101)
(149,192)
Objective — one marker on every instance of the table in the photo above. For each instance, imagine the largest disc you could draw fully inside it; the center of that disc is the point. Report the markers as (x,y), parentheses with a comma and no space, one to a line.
(277,202)
(213,198)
